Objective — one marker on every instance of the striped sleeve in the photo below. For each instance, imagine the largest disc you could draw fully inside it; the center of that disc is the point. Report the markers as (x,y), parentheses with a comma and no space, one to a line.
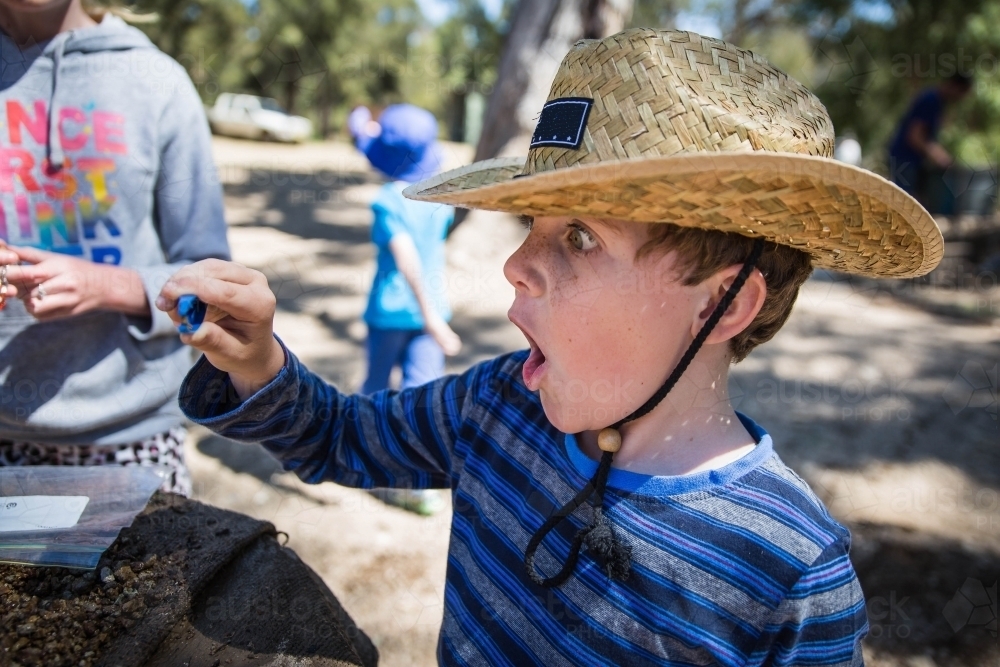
(821,621)
(390,439)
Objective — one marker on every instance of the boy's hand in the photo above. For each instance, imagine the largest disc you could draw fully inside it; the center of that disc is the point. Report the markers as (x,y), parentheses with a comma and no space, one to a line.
(237,334)
(444,336)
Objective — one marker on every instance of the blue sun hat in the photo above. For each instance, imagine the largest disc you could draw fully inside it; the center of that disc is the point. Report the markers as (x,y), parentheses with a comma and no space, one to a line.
(406,147)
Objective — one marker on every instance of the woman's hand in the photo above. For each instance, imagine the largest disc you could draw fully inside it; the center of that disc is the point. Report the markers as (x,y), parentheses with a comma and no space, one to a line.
(7,258)
(237,336)
(53,285)
(444,336)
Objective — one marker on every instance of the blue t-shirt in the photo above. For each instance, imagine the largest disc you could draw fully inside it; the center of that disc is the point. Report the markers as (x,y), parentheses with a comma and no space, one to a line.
(927,107)
(392,304)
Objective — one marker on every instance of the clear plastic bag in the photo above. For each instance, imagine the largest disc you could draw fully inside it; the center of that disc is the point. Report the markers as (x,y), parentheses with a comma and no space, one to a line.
(68,515)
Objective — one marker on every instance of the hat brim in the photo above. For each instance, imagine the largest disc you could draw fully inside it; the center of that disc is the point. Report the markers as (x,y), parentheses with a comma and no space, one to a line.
(847,219)
(405,163)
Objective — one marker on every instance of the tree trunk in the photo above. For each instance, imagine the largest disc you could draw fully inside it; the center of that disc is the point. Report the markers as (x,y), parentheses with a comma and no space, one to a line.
(541,33)
(291,89)
(326,102)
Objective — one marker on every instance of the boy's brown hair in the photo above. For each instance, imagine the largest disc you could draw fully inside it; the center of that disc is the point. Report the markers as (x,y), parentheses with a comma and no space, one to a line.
(703,252)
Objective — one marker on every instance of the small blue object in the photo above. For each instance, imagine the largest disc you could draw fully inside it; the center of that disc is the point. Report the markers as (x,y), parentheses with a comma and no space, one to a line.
(192,312)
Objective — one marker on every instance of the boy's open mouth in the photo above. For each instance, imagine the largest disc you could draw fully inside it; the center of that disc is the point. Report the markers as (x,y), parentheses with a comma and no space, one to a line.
(533,367)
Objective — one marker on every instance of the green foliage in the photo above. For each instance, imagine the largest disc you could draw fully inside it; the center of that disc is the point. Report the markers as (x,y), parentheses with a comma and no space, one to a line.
(459,57)
(867,59)
(320,58)
(876,64)
(203,36)
(660,14)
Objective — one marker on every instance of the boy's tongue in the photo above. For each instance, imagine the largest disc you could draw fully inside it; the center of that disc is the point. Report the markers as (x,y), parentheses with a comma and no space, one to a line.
(533,367)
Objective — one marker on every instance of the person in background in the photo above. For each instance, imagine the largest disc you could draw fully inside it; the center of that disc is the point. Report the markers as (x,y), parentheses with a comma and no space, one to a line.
(407,313)
(108,189)
(914,145)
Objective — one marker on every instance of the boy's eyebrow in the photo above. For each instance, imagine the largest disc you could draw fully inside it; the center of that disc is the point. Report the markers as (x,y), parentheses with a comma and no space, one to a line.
(526,220)
(612,226)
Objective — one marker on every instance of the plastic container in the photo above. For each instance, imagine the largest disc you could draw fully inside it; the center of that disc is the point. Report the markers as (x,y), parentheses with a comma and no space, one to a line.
(68,515)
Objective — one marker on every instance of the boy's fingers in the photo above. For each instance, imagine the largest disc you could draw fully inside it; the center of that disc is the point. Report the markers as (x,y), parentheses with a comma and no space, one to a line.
(212,339)
(216,268)
(248,303)
(186,280)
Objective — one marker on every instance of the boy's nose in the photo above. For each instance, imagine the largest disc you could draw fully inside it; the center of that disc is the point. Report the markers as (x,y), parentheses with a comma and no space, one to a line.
(521,269)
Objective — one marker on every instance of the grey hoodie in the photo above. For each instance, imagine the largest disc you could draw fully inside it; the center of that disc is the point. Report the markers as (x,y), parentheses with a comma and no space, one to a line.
(105,155)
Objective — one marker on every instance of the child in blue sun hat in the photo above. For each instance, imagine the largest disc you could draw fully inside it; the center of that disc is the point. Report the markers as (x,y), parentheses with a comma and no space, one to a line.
(407,313)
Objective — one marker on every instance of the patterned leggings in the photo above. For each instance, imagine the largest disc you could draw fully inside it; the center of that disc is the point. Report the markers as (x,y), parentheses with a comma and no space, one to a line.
(160,449)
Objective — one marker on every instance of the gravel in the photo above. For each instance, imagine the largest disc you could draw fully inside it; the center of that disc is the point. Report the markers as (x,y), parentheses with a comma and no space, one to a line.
(64,617)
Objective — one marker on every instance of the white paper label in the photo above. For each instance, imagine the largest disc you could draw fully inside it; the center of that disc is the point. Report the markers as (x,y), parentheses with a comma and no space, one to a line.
(40,512)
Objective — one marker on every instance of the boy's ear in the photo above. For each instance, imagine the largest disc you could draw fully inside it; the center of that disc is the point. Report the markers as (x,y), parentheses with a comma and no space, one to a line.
(741,311)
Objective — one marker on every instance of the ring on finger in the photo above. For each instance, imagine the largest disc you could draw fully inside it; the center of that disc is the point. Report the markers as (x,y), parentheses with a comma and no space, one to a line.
(40,291)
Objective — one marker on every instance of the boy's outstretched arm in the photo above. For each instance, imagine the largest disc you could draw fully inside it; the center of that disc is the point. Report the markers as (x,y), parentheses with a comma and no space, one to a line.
(248,387)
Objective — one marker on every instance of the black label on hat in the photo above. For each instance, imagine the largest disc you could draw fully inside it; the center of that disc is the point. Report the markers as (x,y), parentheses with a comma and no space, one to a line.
(561,123)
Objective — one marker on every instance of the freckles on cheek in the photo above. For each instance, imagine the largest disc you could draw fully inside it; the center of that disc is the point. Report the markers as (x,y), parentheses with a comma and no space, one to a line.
(578,290)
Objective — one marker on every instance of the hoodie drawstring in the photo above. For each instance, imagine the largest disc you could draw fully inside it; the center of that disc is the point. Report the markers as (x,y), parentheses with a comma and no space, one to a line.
(55,149)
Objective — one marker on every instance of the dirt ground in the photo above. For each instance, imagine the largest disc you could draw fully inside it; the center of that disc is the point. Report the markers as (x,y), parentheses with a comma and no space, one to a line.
(888,410)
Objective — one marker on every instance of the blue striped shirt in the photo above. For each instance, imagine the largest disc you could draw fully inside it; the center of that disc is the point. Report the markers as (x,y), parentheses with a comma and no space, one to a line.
(736,566)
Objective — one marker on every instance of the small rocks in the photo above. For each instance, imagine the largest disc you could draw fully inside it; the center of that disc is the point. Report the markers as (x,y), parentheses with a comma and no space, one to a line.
(134,607)
(124,574)
(60,618)
(81,586)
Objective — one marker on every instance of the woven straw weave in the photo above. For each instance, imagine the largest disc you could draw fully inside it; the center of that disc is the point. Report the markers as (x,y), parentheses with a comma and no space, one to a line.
(666,93)
(697,132)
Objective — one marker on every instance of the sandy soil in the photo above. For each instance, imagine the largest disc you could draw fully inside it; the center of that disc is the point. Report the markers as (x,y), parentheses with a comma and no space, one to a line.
(887,409)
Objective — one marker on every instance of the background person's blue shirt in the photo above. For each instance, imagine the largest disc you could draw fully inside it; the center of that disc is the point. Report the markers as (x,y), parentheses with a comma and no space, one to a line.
(928,107)
(392,304)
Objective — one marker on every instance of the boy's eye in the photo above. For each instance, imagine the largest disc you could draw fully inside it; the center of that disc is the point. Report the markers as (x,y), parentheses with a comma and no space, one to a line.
(581,239)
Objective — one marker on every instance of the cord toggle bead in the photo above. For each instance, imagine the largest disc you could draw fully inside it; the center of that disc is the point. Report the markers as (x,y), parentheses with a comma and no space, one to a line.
(609,440)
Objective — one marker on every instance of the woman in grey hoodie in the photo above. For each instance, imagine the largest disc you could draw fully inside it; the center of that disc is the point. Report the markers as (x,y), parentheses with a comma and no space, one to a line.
(107,186)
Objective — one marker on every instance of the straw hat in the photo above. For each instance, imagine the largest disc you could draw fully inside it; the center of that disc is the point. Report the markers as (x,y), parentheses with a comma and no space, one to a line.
(665,126)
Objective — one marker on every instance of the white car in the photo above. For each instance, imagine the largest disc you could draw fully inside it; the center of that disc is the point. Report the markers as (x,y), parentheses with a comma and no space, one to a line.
(255,117)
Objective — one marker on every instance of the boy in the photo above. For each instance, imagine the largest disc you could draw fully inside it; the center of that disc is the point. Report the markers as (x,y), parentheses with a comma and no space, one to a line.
(407,313)
(699,546)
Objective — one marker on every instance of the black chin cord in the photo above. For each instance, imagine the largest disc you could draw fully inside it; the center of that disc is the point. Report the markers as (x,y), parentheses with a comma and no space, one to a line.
(599,537)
